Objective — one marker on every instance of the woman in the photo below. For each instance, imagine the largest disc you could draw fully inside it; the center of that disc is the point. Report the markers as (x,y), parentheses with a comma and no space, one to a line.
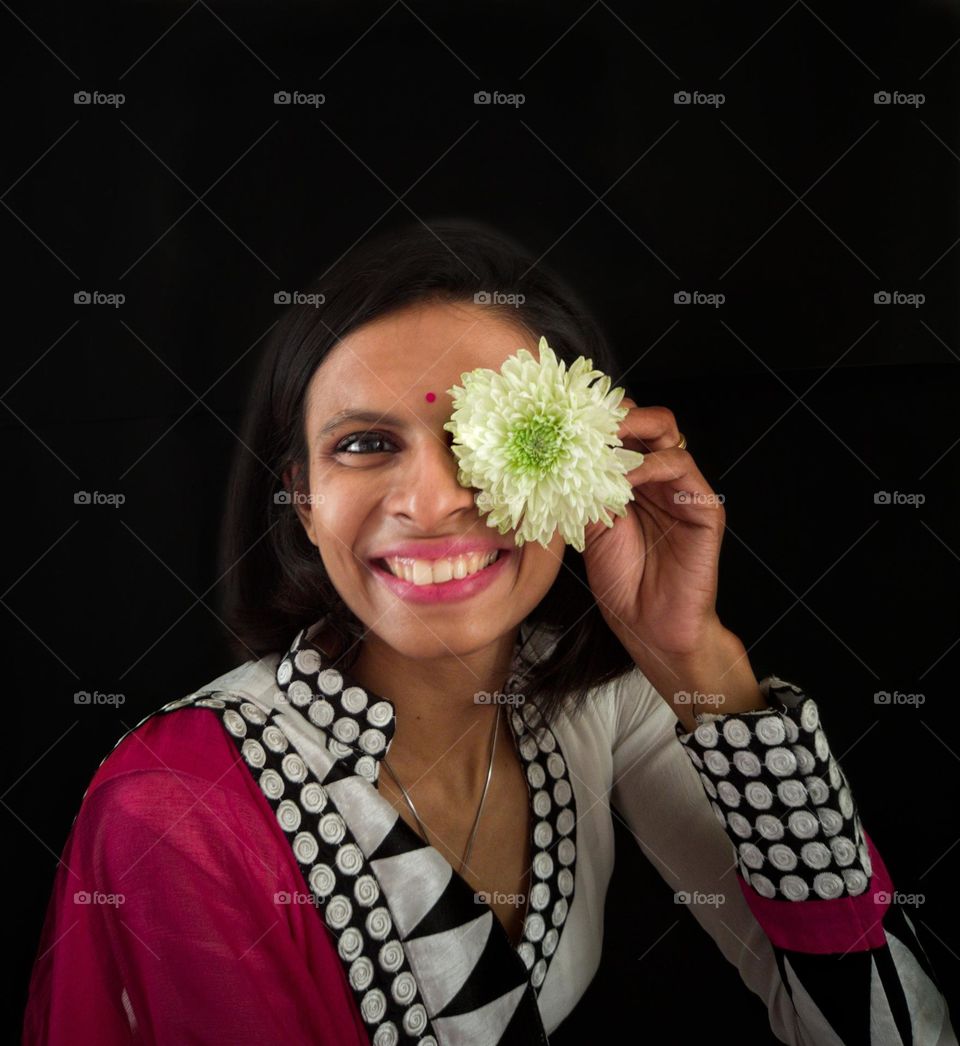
(391,823)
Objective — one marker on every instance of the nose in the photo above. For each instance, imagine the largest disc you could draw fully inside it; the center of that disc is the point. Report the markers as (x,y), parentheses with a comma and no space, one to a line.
(425,491)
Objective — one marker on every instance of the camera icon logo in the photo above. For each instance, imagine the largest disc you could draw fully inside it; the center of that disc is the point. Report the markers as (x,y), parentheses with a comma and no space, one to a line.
(281,298)
(681,98)
(283,497)
(482,98)
(681,298)
(82,98)
(881,298)
(81,298)
(881,98)
(282,98)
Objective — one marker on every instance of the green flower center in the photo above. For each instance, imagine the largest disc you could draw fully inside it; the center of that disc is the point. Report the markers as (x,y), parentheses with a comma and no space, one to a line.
(535,445)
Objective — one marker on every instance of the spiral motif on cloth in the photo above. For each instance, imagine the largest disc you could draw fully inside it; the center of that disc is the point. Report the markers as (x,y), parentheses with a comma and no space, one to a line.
(747,763)
(562,792)
(350,944)
(322,880)
(272,784)
(803,824)
(361,972)
(373,1005)
(827,885)
(769,827)
(716,762)
(338,911)
(234,722)
(794,888)
(536,775)
(366,890)
(320,713)
(378,923)
(390,956)
(736,733)
(254,754)
(288,814)
(299,693)
(305,847)
(385,1035)
(252,714)
(307,661)
(330,681)
(404,988)
(275,739)
(331,828)
(770,730)
(294,768)
(414,1021)
(349,858)
(379,714)
(781,761)
(738,823)
(313,797)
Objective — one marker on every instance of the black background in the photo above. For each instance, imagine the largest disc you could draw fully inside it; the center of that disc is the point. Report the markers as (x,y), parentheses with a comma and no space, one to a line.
(799,198)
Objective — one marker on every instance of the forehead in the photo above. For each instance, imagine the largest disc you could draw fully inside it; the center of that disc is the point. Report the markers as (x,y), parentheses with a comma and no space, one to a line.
(395,360)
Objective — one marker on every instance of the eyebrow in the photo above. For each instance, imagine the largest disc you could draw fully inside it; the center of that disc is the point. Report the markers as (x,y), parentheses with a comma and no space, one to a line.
(374,417)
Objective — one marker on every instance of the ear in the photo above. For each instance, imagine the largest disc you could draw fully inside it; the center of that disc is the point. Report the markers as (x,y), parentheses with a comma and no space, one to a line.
(295,481)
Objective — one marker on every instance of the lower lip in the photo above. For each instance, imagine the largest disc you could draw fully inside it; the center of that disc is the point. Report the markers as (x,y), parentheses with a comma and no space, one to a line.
(448,591)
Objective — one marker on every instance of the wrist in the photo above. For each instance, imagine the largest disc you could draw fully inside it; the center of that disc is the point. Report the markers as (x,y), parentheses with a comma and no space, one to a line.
(716,677)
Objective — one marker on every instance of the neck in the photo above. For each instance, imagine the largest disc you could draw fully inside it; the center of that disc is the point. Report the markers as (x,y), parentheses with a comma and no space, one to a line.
(441,730)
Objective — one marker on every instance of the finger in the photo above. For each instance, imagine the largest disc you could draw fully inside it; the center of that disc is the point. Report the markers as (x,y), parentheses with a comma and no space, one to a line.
(684,483)
(653,427)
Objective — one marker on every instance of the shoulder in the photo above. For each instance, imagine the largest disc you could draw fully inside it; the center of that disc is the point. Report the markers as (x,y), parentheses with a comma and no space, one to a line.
(179,763)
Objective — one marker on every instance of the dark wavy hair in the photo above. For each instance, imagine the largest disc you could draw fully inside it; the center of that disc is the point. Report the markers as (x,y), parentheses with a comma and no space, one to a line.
(274,580)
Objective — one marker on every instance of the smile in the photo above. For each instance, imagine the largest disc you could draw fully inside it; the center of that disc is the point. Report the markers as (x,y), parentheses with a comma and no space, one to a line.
(440,580)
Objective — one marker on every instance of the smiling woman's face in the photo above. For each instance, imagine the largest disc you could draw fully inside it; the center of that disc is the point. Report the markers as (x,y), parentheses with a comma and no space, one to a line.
(388,483)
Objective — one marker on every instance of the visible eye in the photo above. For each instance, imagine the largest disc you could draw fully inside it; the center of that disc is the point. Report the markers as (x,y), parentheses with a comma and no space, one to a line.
(364,437)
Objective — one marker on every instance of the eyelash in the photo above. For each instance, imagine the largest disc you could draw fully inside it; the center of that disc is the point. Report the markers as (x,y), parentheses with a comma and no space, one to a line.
(359,435)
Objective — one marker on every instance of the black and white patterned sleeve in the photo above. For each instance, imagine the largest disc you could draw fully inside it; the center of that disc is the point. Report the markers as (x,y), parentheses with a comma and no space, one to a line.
(846,951)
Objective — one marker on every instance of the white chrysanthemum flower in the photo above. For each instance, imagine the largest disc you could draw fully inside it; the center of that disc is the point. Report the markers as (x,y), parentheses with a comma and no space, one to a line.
(540,444)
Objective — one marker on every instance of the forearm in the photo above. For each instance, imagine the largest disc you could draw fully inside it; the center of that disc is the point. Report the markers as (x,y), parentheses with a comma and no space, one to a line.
(717,677)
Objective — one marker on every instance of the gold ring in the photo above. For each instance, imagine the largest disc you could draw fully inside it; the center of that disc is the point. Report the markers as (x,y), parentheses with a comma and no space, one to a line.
(682,445)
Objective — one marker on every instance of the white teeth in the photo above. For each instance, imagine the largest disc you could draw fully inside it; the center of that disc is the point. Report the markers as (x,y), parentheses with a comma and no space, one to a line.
(437,571)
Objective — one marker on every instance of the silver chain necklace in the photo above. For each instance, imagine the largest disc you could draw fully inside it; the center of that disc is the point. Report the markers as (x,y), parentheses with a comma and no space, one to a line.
(476,820)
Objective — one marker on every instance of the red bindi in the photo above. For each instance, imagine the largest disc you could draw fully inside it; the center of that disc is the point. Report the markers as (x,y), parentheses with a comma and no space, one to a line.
(430,397)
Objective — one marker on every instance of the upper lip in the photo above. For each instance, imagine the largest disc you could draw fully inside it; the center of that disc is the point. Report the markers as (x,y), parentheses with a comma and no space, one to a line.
(440,548)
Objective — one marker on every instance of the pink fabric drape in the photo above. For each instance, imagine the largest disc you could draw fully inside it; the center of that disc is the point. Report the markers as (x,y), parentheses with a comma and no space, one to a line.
(179,914)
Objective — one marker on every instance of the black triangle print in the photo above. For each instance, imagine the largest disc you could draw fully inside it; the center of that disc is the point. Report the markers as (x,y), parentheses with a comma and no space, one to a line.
(497,970)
